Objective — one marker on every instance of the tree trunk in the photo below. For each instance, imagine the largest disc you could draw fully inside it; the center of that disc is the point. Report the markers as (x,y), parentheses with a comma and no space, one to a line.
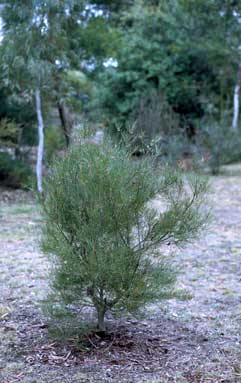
(101,320)
(39,165)
(236,100)
(66,122)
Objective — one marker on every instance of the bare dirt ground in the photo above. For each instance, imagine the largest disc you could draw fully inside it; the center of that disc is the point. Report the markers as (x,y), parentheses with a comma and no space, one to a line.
(192,341)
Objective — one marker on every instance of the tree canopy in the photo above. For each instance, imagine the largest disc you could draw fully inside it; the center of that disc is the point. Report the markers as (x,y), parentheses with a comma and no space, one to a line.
(131,54)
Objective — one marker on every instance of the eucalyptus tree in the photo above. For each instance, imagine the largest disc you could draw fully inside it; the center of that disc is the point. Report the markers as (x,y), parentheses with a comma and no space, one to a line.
(37,48)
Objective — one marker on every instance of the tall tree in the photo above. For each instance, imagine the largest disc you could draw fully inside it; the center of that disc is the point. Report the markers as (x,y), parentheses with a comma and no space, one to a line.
(36,48)
(186,49)
(223,46)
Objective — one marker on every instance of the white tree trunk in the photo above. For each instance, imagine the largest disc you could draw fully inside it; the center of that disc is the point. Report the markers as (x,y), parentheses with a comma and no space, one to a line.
(236,100)
(39,165)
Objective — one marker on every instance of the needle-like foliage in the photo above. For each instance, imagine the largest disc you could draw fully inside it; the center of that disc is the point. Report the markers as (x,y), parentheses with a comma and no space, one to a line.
(105,236)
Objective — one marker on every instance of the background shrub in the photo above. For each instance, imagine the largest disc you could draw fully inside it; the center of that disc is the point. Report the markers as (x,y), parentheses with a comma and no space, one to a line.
(221,143)
(54,141)
(152,123)
(14,172)
(9,133)
(155,130)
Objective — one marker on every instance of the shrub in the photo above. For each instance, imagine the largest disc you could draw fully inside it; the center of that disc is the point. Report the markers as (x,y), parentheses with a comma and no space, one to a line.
(156,130)
(154,121)
(222,144)
(150,125)
(104,235)
(177,147)
(14,172)
(54,141)
(9,133)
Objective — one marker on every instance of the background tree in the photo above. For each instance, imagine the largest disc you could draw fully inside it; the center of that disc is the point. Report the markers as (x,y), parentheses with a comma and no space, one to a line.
(43,42)
(195,74)
(36,47)
(223,47)
(136,58)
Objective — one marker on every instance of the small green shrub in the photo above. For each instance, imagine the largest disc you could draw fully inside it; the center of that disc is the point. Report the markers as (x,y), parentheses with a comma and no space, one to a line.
(14,172)
(104,236)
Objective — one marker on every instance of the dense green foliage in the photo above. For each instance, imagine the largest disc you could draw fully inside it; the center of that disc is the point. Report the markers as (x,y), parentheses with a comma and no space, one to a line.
(14,172)
(172,48)
(156,71)
(9,133)
(104,235)
(17,109)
